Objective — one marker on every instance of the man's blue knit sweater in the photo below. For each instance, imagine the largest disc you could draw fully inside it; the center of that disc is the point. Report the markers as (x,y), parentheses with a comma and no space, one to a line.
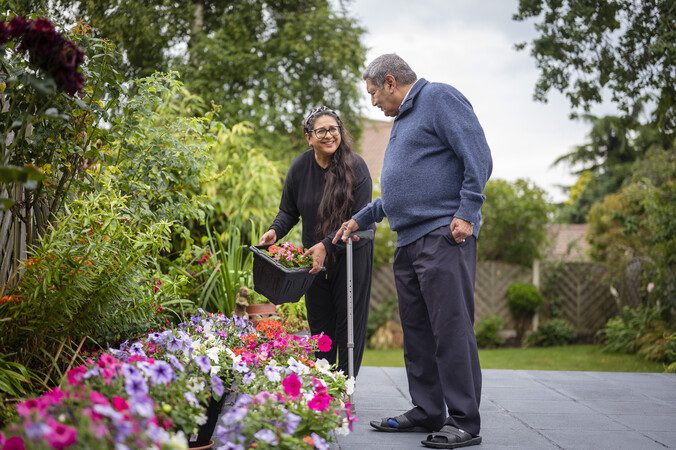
(436,165)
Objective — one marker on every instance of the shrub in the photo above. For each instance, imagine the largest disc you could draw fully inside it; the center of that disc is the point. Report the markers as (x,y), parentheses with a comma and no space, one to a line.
(488,332)
(553,332)
(523,300)
(622,332)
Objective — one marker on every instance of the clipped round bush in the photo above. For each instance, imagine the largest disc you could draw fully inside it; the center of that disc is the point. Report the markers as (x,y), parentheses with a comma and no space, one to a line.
(523,300)
(551,333)
(488,332)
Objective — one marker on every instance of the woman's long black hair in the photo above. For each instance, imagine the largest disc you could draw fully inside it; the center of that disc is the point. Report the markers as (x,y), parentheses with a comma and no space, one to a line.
(337,200)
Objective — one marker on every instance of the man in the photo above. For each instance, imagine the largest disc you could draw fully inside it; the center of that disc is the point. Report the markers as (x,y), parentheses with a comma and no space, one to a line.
(436,165)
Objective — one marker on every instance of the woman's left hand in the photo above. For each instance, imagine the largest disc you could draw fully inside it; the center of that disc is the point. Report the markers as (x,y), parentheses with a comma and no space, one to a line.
(318,252)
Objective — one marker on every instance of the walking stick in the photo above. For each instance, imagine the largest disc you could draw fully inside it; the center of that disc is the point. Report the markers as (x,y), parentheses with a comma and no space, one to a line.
(366,234)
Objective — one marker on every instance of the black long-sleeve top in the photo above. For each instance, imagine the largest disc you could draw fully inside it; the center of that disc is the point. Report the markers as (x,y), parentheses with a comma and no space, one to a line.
(303,190)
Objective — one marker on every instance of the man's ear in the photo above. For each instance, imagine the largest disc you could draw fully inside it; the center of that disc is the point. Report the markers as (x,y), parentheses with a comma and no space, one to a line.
(390,83)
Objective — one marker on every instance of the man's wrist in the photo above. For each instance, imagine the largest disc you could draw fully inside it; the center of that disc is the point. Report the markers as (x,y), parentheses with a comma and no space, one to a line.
(464,220)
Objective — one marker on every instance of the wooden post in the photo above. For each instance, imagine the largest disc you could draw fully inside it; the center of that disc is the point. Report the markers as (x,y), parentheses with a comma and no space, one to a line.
(536,283)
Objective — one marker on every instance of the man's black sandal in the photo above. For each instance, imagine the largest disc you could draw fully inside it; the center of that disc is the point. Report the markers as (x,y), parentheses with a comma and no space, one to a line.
(399,424)
(450,437)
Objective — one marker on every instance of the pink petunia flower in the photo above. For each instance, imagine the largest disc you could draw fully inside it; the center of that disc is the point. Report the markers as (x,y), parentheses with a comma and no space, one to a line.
(324,343)
(291,385)
(60,436)
(320,402)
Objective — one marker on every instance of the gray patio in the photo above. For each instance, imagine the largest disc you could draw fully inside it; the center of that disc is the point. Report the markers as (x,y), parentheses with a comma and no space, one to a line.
(529,409)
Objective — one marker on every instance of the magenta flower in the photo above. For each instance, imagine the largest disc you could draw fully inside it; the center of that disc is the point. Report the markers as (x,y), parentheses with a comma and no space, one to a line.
(291,385)
(14,443)
(60,435)
(324,343)
(320,402)
(76,375)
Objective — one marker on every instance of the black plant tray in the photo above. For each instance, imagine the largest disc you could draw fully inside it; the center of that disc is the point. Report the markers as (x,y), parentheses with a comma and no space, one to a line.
(277,283)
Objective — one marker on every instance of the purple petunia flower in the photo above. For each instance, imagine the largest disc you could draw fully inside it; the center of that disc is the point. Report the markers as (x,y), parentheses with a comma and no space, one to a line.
(137,349)
(319,442)
(161,373)
(272,373)
(292,422)
(267,436)
(203,363)
(240,366)
(195,320)
(248,378)
(190,398)
(142,406)
(174,344)
(217,385)
(175,362)
(136,386)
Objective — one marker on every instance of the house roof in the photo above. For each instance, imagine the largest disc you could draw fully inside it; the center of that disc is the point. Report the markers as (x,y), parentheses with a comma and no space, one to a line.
(568,242)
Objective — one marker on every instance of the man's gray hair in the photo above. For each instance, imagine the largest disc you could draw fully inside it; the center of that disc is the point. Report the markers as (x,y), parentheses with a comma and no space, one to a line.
(389,64)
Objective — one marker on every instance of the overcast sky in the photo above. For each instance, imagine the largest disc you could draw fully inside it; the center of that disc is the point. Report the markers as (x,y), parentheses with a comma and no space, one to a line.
(470,45)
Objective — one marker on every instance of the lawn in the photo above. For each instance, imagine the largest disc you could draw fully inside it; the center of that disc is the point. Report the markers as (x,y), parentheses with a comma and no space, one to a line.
(573,357)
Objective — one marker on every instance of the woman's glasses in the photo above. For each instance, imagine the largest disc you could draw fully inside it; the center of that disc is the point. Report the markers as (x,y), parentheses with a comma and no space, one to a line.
(321,132)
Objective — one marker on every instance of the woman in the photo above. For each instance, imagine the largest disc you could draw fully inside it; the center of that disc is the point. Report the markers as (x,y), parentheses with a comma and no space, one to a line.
(325,186)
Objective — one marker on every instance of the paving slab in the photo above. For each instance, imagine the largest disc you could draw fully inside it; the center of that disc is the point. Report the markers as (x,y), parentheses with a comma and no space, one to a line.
(524,409)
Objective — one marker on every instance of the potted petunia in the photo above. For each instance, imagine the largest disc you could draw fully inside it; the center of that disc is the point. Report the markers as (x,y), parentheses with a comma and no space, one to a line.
(281,273)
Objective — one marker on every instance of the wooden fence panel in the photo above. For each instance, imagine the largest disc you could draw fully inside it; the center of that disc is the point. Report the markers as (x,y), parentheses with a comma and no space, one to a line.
(490,288)
(582,290)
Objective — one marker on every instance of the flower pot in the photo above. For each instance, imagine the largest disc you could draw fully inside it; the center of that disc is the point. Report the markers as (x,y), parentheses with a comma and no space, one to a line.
(206,431)
(277,283)
(260,311)
(203,447)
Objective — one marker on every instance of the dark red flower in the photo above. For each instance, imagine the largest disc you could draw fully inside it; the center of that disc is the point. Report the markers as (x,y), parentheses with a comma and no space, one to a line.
(17,26)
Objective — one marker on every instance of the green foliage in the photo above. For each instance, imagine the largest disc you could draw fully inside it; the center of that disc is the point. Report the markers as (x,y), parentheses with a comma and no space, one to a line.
(379,314)
(514,227)
(162,150)
(14,378)
(88,279)
(621,47)
(639,223)
(264,62)
(523,299)
(249,183)
(605,161)
(231,269)
(640,330)
(488,332)
(385,240)
(48,139)
(551,333)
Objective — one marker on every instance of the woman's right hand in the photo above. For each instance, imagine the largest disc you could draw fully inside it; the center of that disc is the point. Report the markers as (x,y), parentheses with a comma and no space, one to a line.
(269,238)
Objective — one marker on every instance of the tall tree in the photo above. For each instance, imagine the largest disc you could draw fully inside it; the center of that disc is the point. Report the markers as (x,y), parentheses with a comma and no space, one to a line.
(264,61)
(624,47)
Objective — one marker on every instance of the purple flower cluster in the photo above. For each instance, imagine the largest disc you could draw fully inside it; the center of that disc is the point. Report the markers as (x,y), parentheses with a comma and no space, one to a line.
(48,50)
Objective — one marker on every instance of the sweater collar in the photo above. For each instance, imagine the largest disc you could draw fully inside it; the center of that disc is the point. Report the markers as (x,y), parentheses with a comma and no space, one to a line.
(411,95)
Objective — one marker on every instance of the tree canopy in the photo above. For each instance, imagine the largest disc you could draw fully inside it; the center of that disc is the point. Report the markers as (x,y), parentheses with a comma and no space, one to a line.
(263,61)
(624,47)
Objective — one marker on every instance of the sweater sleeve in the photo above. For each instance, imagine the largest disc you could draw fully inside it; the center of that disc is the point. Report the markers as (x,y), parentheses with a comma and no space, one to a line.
(458,127)
(370,214)
(288,214)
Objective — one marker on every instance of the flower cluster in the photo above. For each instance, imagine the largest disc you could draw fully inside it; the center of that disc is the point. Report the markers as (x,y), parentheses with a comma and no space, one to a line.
(84,416)
(47,49)
(289,256)
(153,392)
